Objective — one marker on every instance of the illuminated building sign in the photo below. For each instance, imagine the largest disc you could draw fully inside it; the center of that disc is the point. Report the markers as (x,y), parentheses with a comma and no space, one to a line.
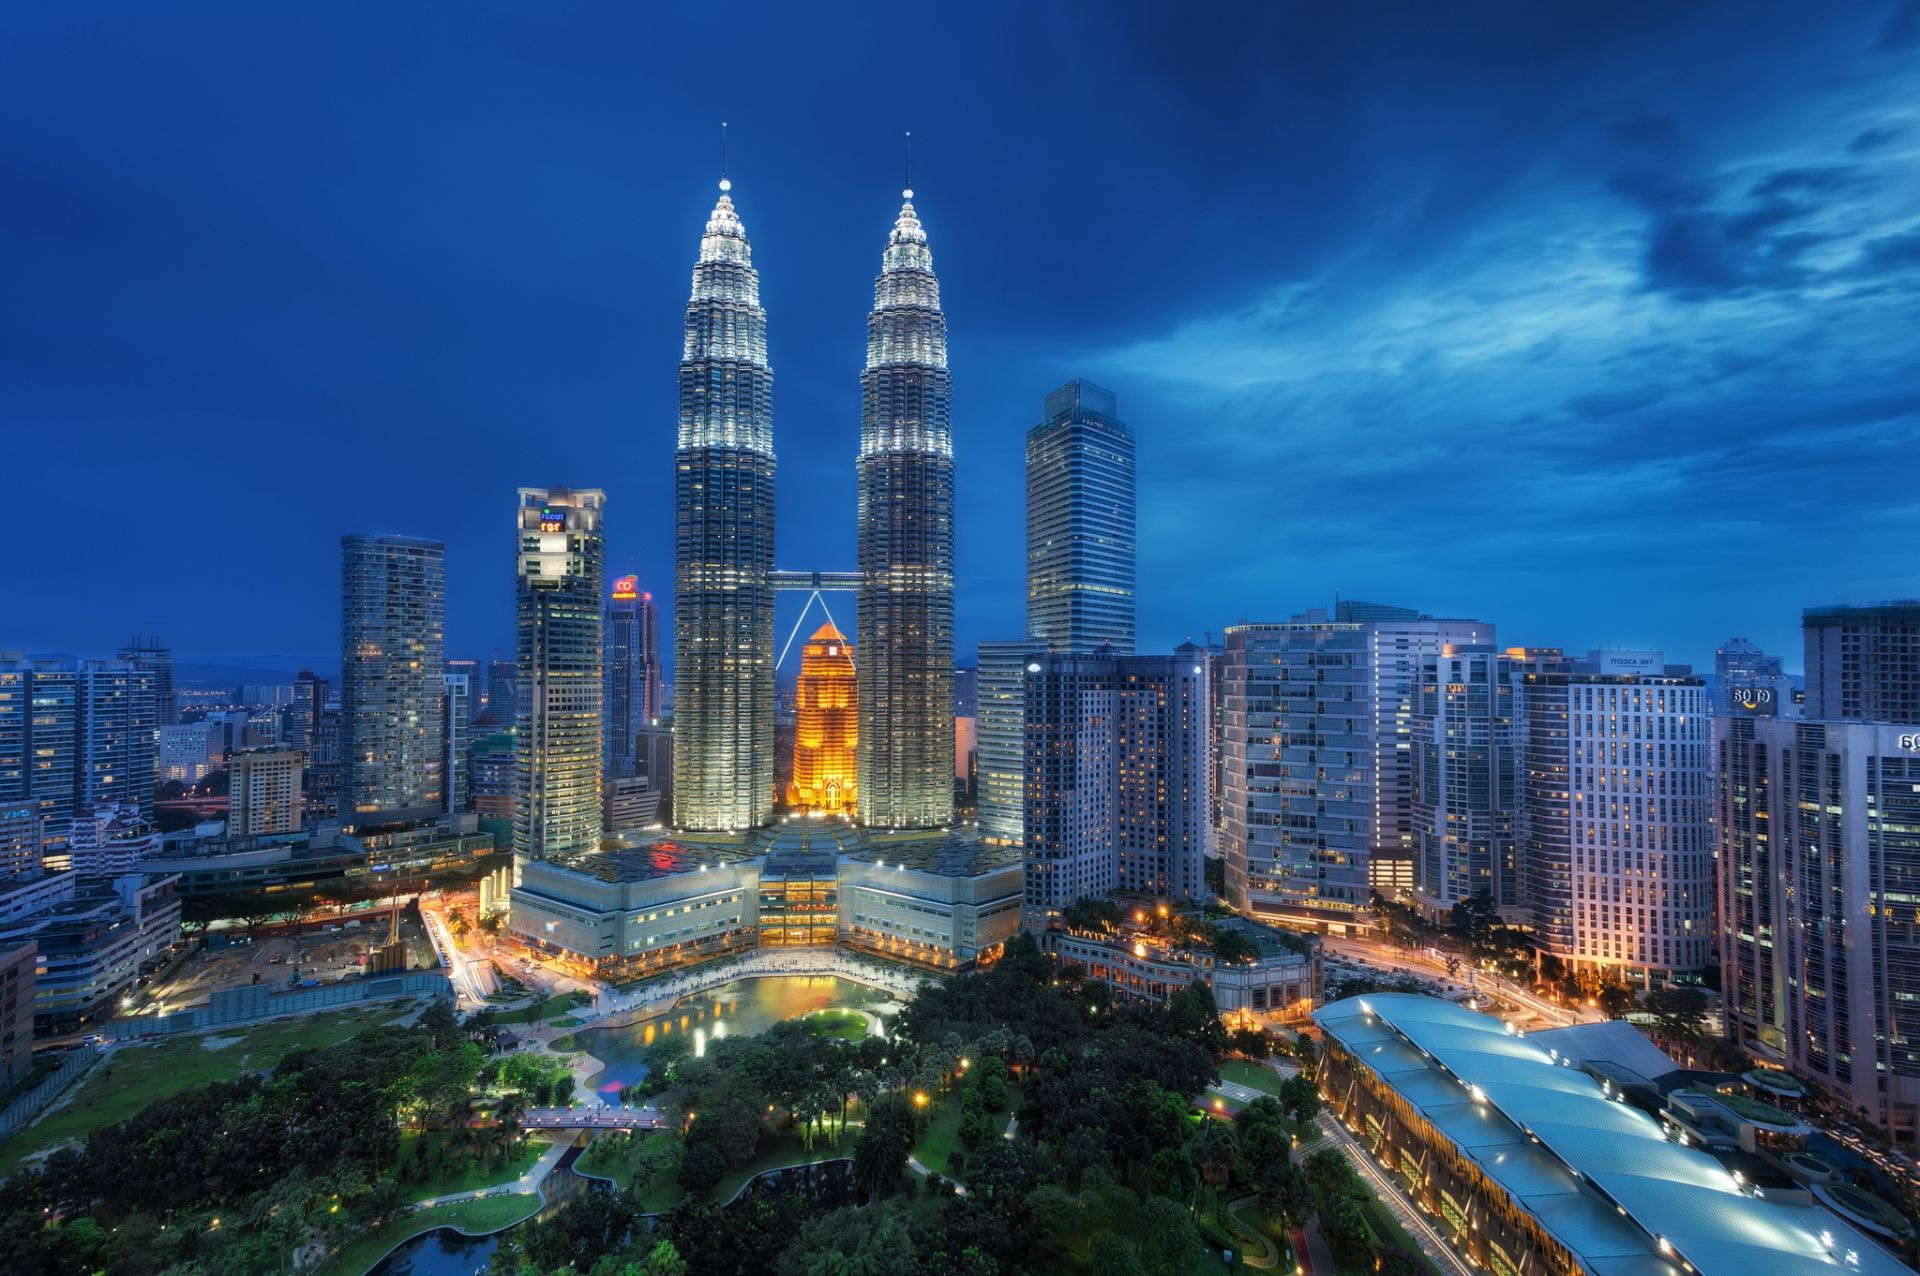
(626,589)
(552,520)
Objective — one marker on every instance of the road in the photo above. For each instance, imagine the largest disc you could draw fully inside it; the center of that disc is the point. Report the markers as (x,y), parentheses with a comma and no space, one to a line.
(1419,962)
(468,984)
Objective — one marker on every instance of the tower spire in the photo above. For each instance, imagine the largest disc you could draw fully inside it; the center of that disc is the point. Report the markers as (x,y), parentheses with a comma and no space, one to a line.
(907,191)
(725,183)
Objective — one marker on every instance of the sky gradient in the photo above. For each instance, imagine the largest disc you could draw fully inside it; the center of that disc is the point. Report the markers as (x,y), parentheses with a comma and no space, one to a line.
(1598,321)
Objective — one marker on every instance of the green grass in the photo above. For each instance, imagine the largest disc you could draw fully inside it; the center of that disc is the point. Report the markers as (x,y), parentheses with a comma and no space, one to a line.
(844,1024)
(1255,1076)
(473,1217)
(942,1138)
(468,1175)
(1250,1217)
(541,1011)
(777,1151)
(131,1077)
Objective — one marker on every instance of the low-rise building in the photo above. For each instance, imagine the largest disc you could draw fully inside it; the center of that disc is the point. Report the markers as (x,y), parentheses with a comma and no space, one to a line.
(93,945)
(1527,1166)
(18,964)
(1155,951)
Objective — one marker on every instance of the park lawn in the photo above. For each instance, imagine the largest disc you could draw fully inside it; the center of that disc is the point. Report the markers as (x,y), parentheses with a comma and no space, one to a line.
(941,1140)
(844,1024)
(777,1152)
(471,1176)
(1255,1076)
(489,1214)
(131,1077)
(540,1011)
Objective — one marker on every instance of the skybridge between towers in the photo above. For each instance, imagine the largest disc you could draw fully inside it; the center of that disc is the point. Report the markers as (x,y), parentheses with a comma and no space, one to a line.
(813,584)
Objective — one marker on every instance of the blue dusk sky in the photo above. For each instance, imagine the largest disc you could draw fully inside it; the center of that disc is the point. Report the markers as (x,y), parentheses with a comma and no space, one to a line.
(1600,321)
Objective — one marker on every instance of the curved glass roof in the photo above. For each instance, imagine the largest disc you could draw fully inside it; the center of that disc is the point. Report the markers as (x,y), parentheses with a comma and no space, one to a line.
(1600,1176)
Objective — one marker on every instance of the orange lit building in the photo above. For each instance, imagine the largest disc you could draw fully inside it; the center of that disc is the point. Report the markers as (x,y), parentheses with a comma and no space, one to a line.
(826,726)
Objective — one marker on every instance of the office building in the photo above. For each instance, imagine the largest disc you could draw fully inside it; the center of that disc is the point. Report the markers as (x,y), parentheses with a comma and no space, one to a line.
(110,841)
(559,627)
(632,803)
(18,962)
(1119,760)
(1819,826)
(1613,828)
(190,750)
(495,774)
(723,542)
(324,770)
(263,792)
(1463,781)
(632,666)
(1000,731)
(502,702)
(456,712)
(1080,523)
(1863,662)
(392,645)
(310,694)
(157,660)
(966,692)
(905,533)
(19,839)
(826,725)
(1748,680)
(1526,1164)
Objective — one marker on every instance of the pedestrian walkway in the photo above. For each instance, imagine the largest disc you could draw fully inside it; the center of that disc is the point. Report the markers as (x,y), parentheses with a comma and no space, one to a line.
(1435,1246)
(528,1182)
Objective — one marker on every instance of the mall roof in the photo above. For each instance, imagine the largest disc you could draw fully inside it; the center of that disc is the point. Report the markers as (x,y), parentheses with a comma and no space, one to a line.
(1613,1041)
(1600,1176)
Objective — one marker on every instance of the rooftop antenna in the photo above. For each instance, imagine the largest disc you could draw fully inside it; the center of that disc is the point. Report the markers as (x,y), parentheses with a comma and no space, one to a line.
(907,191)
(725,184)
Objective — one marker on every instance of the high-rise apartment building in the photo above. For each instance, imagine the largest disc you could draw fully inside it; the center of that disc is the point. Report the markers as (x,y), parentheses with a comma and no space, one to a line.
(1863,662)
(118,735)
(1819,944)
(632,666)
(1614,823)
(905,478)
(19,839)
(1400,641)
(560,642)
(1000,733)
(1080,523)
(310,695)
(456,719)
(263,792)
(826,724)
(1463,780)
(723,542)
(324,768)
(76,734)
(1297,779)
(1119,764)
(1748,680)
(392,649)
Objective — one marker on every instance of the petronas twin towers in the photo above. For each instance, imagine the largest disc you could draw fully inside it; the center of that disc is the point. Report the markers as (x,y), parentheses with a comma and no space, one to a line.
(724,574)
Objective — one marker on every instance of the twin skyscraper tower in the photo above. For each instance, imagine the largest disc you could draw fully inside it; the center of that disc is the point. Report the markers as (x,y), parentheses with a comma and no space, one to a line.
(724,577)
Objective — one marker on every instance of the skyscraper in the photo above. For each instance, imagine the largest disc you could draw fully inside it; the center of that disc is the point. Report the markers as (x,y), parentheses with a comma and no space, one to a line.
(559,645)
(1001,733)
(1463,780)
(1080,523)
(392,649)
(1863,662)
(1614,823)
(632,667)
(456,715)
(1819,956)
(502,700)
(310,693)
(118,739)
(905,476)
(826,724)
(1748,680)
(723,542)
(1119,771)
(149,654)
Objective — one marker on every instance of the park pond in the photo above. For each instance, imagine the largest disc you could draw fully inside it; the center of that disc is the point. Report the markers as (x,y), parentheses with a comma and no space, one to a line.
(739,1009)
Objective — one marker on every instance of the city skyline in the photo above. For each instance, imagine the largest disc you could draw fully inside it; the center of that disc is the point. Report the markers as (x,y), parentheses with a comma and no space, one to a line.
(1603,281)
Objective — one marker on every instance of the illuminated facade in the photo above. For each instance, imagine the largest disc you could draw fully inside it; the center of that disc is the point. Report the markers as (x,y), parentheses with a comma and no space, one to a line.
(826,725)
(558,640)
(1080,523)
(392,652)
(632,672)
(905,475)
(723,542)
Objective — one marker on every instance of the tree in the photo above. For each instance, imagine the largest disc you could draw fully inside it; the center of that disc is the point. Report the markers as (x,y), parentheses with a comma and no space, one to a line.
(1392,1261)
(702,1167)
(1265,1140)
(1345,1231)
(1616,1000)
(1286,1196)
(1109,1255)
(1216,1152)
(1170,1174)
(1676,1013)
(1301,1098)
(1170,1245)
(1327,1170)
(880,1153)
